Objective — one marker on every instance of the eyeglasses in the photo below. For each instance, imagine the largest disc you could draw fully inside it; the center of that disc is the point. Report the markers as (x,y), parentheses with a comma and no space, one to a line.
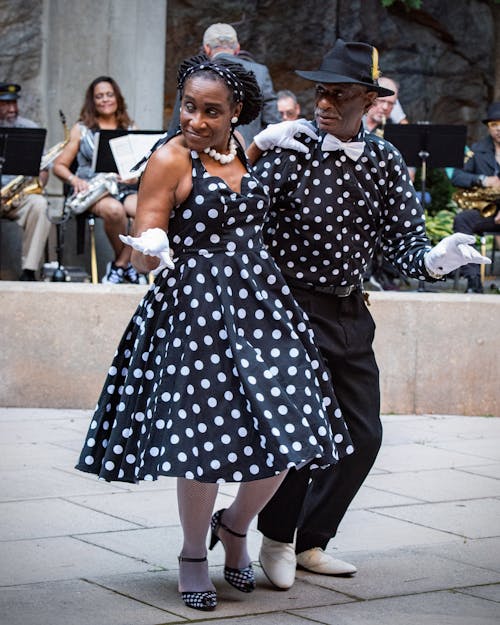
(494,124)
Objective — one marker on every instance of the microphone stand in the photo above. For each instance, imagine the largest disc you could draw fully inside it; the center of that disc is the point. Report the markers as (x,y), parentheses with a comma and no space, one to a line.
(423,155)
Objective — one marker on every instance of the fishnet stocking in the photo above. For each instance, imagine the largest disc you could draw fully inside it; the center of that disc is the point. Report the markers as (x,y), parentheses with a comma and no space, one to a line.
(196,502)
(251,498)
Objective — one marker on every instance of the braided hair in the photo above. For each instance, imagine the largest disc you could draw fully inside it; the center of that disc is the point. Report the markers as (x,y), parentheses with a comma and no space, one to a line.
(241,83)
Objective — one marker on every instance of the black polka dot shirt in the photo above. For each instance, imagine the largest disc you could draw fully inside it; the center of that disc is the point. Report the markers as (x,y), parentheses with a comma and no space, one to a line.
(328,212)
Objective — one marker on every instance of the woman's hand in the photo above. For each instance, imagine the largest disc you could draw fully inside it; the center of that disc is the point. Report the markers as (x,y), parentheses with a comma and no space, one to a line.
(78,184)
(152,242)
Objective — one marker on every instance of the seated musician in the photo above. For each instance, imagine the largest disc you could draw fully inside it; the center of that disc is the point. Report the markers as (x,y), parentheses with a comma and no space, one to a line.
(29,210)
(104,108)
(481,171)
(385,110)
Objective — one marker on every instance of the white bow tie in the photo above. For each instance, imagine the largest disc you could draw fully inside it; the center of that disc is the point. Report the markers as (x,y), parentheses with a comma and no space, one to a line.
(353,149)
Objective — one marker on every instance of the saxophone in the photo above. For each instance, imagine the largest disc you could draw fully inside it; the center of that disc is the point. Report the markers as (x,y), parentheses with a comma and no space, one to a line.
(99,186)
(14,191)
(482,199)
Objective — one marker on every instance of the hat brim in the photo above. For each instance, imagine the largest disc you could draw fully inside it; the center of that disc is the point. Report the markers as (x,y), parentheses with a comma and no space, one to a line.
(329,77)
(7,97)
(491,119)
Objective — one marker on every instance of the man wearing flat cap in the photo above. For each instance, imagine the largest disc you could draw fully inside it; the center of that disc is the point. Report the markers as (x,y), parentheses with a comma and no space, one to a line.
(336,192)
(30,212)
(481,171)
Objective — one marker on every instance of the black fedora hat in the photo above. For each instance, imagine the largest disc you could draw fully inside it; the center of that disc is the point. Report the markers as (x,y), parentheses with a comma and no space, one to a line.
(493,113)
(351,62)
(9,91)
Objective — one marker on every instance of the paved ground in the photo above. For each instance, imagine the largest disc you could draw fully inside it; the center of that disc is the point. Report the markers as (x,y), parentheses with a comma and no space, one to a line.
(424,532)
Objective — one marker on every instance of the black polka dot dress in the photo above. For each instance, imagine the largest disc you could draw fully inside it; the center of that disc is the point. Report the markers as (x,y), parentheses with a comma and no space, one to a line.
(216,377)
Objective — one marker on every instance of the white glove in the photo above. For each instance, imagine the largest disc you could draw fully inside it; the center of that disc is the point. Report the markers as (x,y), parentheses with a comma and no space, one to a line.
(452,252)
(152,242)
(282,135)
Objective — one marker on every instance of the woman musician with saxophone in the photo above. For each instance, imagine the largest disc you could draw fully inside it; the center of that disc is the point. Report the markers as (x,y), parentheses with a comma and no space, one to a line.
(28,210)
(479,181)
(104,108)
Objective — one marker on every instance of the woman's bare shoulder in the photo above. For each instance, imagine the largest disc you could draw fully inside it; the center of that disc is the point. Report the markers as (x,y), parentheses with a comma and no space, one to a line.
(174,153)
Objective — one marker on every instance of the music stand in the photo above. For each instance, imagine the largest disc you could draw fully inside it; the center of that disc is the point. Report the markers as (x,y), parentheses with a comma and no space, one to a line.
(436,145)
(103,160)
(20,152)
(433,145)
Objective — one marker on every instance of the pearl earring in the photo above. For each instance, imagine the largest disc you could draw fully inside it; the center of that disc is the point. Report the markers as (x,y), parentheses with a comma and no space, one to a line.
(234,120)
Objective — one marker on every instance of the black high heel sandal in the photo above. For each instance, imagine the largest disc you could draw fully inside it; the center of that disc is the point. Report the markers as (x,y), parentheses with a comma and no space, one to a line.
(242,579)
(198,599)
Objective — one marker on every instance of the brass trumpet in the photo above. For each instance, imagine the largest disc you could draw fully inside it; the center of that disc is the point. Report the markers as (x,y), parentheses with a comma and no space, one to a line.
(482,199)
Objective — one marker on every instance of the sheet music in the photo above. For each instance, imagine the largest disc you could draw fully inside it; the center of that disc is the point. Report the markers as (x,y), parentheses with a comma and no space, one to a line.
(129,150)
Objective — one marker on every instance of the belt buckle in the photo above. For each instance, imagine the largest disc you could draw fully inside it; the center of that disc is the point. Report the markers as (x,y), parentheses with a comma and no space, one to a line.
(343,291)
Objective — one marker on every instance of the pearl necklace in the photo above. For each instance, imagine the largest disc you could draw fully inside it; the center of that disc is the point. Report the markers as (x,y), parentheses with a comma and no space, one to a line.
(223,159)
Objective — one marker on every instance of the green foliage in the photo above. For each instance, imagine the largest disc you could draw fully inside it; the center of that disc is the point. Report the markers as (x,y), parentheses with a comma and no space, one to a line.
(439,225)
(410,4)
(440,188)
(441,211)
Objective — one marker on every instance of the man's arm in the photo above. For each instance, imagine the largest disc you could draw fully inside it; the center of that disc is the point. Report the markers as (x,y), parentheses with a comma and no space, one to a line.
(469,176)
(270,113)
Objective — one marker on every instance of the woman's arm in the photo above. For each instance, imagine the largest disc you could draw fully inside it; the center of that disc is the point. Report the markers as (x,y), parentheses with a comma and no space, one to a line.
(165,183)
(65,159)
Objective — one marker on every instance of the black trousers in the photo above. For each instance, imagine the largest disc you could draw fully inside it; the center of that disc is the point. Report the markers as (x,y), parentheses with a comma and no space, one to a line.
(344,331)
(471,222)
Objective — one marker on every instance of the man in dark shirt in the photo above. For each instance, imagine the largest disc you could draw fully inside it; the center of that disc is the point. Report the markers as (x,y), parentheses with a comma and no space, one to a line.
(220,41)
(482,170)
(332,202)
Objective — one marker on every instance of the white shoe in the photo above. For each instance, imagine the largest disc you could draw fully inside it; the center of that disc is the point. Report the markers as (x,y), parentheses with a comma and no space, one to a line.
(317,561)
(278,562)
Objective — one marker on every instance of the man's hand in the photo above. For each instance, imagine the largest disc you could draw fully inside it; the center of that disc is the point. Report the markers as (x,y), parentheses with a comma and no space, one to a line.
(451,253)
(491,182)
(282,135)
(152,242)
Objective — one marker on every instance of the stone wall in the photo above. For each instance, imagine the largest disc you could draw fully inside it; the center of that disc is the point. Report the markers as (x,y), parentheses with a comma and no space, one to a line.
(443,56)
(436,352)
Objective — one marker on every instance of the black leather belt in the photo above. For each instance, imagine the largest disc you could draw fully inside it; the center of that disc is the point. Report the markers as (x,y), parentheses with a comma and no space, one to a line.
(339,291)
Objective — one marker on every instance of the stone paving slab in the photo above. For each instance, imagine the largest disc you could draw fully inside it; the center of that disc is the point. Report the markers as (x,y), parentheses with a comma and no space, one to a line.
(487,448)
(428,485)
(75,602)
(54,517)
(159,546)
(485,592)
(488,470)
(472,519)
(438,608)
(160,589)
(31,456)
(62,558)
(417,457)
(363,530)
(47,482)
(398,572)
(426,429)
(368,497)
(483,552)
(423,532)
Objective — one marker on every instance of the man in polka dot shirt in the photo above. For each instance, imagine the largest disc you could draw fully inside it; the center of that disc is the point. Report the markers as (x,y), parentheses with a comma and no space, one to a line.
(334,197)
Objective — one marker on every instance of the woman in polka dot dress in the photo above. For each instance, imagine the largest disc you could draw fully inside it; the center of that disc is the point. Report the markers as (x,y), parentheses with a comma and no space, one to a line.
(216,377)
